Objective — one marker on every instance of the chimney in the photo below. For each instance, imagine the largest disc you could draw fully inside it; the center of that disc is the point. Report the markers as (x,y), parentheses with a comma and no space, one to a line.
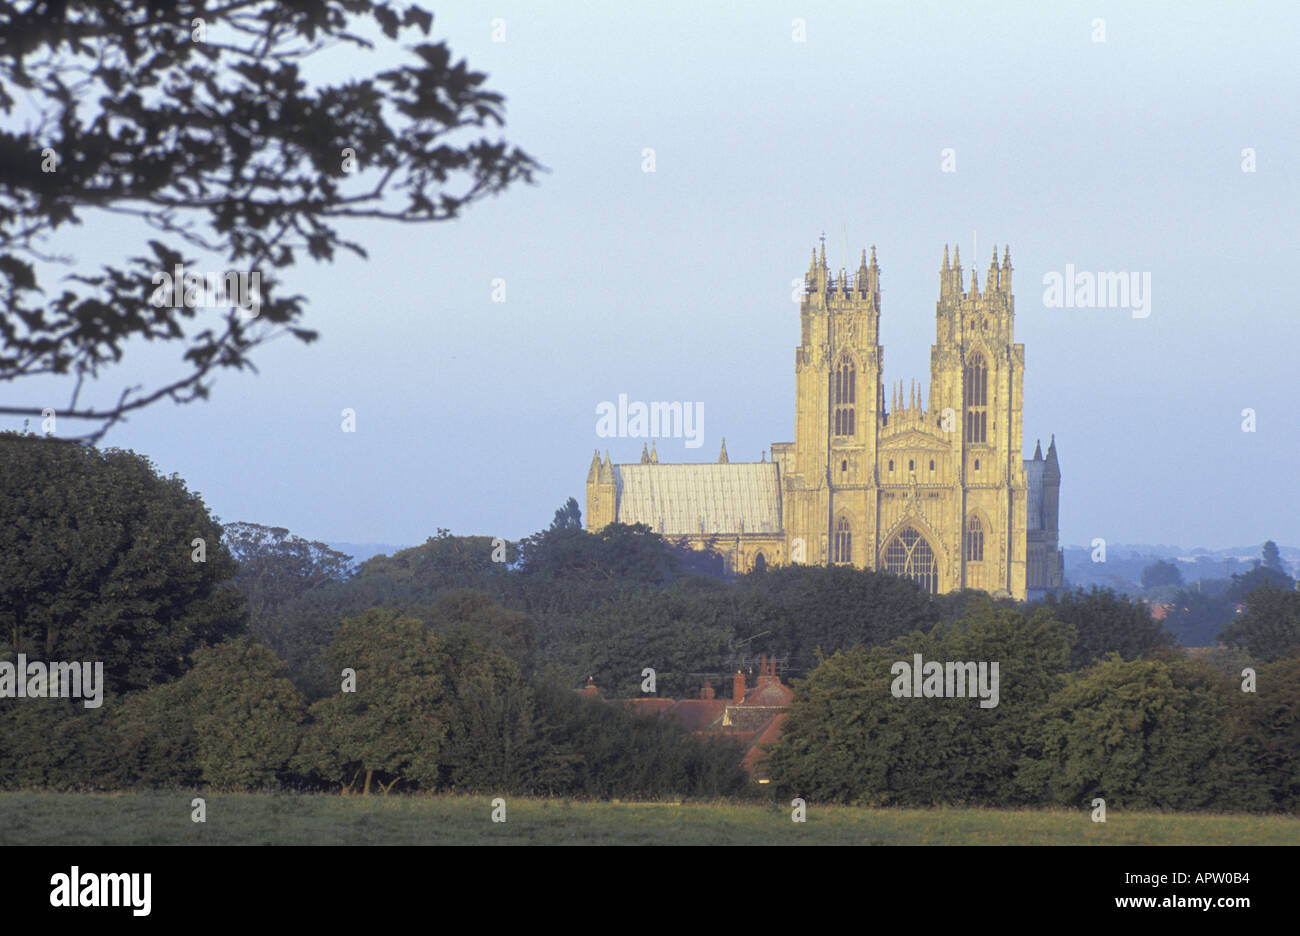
(707,691)
(738,687)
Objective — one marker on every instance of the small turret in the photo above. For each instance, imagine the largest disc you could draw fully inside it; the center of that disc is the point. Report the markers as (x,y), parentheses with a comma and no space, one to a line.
(1051,488)
(645,454)
(1038,450)
(594,471)
(722,455)
(654,456)
(1004,281)
(991,284)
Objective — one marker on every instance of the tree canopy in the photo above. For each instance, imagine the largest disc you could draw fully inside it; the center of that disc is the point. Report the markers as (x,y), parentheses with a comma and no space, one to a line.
(101,558)
(198,119)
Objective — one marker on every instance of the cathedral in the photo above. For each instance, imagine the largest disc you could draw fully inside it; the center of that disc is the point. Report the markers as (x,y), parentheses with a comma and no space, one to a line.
(933,489)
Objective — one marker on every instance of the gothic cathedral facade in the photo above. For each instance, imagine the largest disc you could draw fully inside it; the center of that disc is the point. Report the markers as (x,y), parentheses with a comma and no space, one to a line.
(930,486)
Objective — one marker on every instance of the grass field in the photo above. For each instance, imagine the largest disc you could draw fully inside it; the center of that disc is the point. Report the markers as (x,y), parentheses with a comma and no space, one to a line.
(285,819)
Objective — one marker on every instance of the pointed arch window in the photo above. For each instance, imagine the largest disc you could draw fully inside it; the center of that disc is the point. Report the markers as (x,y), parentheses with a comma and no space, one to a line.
(843,551)
(909,555)
(974,539)
(977,399)
(845,396)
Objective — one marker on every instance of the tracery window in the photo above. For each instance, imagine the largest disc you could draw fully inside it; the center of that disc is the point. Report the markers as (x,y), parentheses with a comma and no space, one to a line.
(844,397)
(843,549)
(974,540)
(908,554)
(977,398)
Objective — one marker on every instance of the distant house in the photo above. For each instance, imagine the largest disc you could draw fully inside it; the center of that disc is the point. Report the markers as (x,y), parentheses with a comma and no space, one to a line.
(752,716)
(1159,609)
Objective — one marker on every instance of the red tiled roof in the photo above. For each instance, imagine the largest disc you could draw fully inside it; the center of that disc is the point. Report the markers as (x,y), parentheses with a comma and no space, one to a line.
(697,714)
(770,691)
(650,706)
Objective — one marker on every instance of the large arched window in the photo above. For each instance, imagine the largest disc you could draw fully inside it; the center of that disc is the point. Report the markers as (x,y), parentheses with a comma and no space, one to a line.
(908,554)
(845,396)
(843,549)
(974,540)
(977,399)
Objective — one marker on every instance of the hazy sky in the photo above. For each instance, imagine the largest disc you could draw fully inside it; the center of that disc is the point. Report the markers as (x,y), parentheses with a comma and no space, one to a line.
(1123,155)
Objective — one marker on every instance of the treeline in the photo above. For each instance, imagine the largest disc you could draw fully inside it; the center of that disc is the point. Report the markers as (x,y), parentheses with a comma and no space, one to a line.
(1155,730)
(103,560)
(266,662)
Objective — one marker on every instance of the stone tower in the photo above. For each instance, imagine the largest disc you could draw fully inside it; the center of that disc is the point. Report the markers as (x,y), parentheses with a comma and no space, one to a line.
(602,493)
(977,380)
(829,471)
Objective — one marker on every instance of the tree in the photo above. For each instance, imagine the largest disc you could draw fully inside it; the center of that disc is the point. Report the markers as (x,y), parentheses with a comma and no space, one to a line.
(1270,626)
(848,738)
(103,559)
(669,631)
(396,721)
(1271,557)
(1107,623)
(476,618)
(1141,734)
(1197,618)
(1266,732)
(233,721)
(1243,583)
(633,554)
(1161,573)
(597,749)
(812,608)
(568,517)
(275,566)
(204,127)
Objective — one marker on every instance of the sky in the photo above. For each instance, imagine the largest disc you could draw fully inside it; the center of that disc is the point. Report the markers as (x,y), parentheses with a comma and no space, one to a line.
(1117,155)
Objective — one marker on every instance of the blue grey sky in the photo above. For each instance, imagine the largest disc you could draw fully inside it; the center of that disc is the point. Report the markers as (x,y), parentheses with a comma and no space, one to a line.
(1122,155)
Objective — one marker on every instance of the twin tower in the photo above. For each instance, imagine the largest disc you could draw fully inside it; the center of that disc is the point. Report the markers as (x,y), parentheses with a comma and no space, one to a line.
(932,486)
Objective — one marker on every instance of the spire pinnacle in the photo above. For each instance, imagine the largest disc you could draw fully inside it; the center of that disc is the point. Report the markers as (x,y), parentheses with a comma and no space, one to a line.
(645,454)
(654,456)
(722,456)
(1038,450)
(945,258)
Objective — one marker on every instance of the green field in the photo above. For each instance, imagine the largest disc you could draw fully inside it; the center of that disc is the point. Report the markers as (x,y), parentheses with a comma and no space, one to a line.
(286,819)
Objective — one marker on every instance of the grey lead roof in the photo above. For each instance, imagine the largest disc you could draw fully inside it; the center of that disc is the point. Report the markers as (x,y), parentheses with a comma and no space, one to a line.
(672,499)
